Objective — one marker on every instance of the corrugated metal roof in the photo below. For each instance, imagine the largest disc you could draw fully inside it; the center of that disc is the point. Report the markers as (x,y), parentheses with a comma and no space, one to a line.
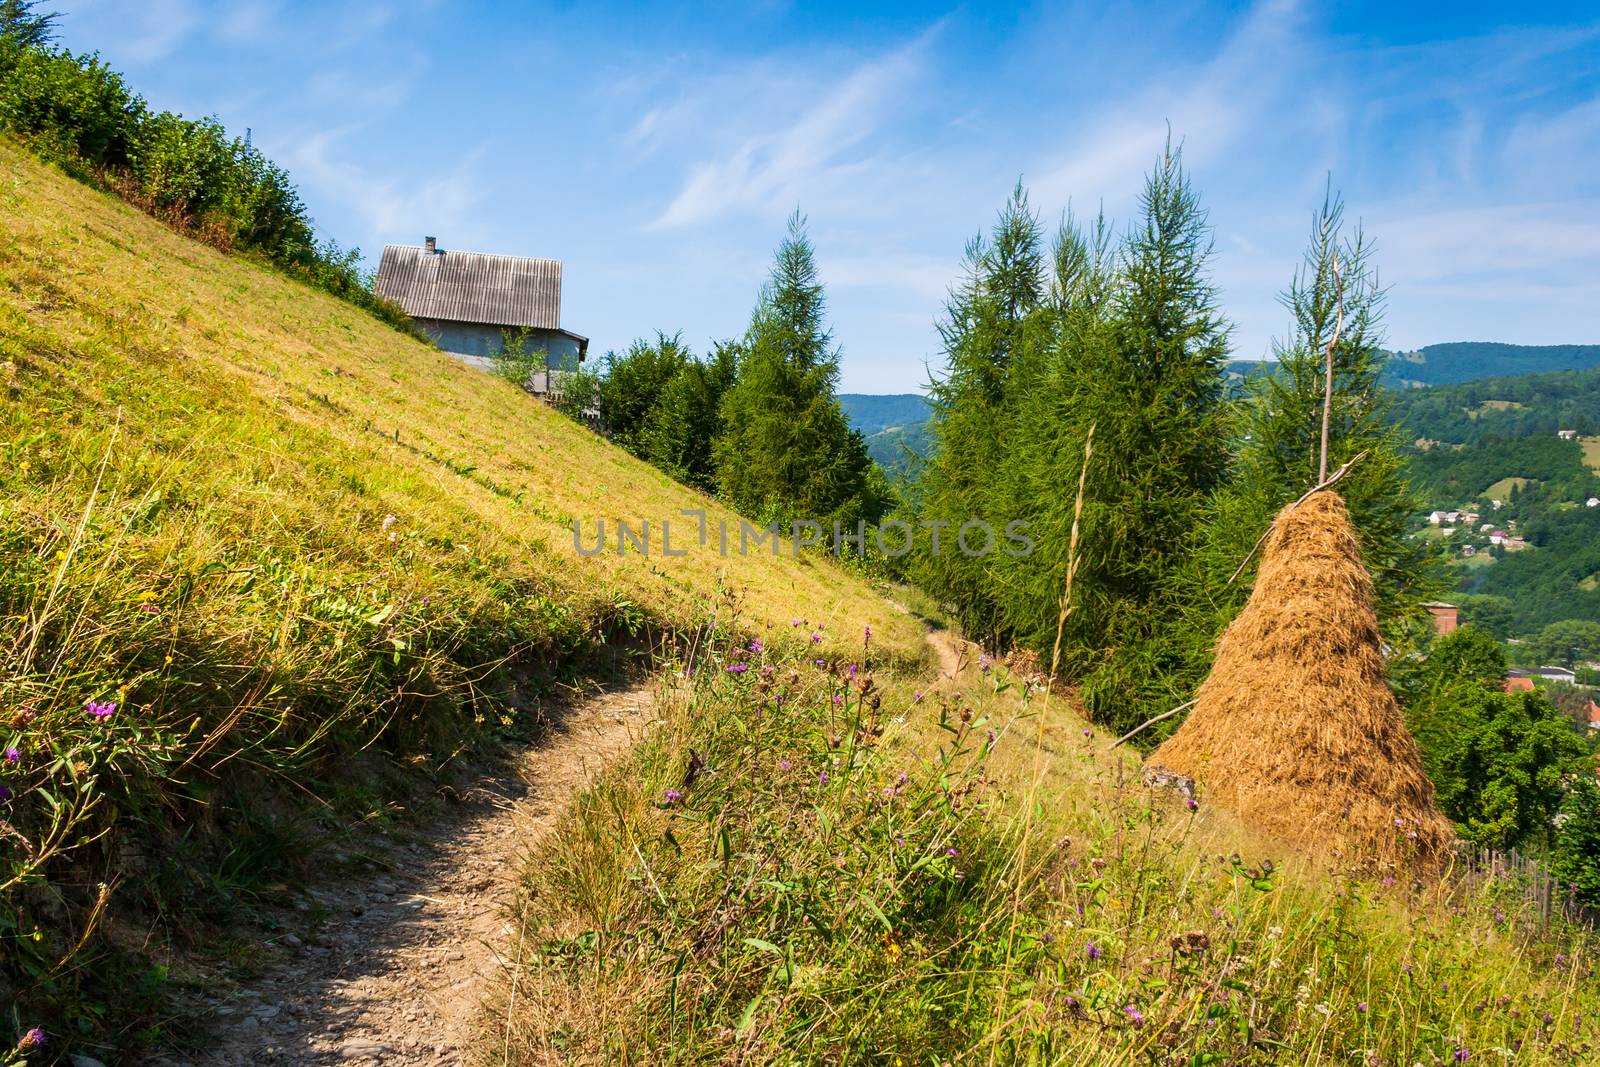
(472,286)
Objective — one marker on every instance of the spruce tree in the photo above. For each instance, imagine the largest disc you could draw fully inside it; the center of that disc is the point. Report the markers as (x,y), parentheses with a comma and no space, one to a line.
(1152,383)
(993,322)
(1280,420)
(785,450)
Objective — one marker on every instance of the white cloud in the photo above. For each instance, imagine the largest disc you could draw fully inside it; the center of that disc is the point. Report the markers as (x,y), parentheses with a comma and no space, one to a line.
(771,171)
(394,205)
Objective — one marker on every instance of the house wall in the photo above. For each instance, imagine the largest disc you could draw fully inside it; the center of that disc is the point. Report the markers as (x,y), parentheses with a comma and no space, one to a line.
(479,343)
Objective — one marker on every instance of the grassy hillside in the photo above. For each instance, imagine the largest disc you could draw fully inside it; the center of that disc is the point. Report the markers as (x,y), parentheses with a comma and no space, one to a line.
(878,874)
(1502,407)
(248,532)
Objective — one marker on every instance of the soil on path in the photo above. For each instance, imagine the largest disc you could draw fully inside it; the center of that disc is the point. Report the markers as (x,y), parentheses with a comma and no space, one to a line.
(396,972)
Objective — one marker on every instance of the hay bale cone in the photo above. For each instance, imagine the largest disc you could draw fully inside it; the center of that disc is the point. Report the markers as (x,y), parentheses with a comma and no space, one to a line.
(1296,730)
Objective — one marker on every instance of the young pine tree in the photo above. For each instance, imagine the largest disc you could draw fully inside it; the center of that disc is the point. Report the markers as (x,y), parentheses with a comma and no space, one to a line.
(1280,429)
(785,450)
(992,324)
(1151,382)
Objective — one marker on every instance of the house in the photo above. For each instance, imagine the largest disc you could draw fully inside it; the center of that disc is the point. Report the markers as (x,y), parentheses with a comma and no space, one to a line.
(1435,518)
(1549,674)
(1592,502)
(1444,616)
(1593,711)
(1515,544)
(1469,518)
(1567,435)
(1498,537)
(1519,685)
(1468,550)
(1497,504)
(467,303)
(1447,530)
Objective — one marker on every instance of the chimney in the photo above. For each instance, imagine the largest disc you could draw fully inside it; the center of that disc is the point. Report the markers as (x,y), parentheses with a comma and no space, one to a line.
(429,246)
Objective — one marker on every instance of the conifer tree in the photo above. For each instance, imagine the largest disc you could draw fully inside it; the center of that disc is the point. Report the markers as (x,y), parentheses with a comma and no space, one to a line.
(1280,419)
(785,450)
(1151,382)
(686,418)
(993,322)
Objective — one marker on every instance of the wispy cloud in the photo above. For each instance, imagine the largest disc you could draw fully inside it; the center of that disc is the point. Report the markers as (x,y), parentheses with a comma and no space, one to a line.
(819,149)
(391,204)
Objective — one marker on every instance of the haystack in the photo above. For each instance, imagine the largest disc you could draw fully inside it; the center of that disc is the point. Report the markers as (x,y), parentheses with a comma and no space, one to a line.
(1296,730)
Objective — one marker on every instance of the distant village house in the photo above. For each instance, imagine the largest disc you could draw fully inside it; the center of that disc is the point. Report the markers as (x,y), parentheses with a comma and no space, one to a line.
(1567,435)
(1445,616)
(467,303)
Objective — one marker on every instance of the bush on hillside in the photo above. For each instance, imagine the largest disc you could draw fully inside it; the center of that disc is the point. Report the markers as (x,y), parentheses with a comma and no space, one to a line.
(77,111)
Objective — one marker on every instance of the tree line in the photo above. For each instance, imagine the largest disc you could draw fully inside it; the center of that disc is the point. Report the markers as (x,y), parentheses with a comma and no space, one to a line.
(756,420)
(1098,359)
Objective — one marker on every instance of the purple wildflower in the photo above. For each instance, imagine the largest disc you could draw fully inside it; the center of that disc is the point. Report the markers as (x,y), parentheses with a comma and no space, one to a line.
(838,698)
(851,673)
(1093,951)
(32,1040)
(991,738)
(1499,916)
(101,710)
(984,663)
(816,638)
(951,852)
(672,796)
(899,842)
(797,622)
(916,698)
(1361,1006)
(5,792)
(1192,804)
(12,755)
(1462,1055)
(1088,732)
(869,633)
(785,765)
(756,645)
(738,668)
(822,779)
(1135,1016)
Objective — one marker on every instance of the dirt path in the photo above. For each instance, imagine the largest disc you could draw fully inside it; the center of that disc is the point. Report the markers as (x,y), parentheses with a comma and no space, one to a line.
(396,972)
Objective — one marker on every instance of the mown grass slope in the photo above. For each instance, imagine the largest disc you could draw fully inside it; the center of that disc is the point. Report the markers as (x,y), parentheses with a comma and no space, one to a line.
(819,863)
(247,531)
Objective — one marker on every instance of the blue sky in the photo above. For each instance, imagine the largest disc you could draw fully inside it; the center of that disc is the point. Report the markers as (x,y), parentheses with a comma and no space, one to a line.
(658,152)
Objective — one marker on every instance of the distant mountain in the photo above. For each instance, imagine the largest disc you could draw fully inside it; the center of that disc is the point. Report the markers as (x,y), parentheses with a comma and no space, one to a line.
(1465,361)
(873,413)
(1458,392)
(1502,407)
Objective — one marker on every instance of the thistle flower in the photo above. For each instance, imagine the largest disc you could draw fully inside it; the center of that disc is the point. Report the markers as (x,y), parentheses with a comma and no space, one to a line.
(32,1040)
(822,779)
(5,793)
(1362,1007)
(797,622)
(672,796)
(738,668)
(756,645)
(12,755)
(101,710)
(984,663)
(816,638)
(1192,804)
(785,765)
(916,698)
(1135,1016)
(1093,951)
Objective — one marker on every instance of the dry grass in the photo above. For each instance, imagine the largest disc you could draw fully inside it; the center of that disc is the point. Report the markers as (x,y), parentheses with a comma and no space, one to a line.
(1296,730)
(283,407)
